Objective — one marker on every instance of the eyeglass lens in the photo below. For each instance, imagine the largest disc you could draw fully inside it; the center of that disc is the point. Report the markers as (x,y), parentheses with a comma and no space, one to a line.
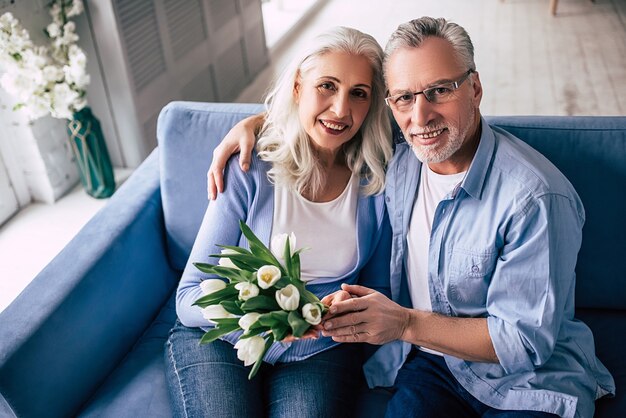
(442,93)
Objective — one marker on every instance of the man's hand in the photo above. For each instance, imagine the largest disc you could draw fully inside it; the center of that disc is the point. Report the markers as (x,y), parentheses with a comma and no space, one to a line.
(240,138)
(314,331)
(369,317)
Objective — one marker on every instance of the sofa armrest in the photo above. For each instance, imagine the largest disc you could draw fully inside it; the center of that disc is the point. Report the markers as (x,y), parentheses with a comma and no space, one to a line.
(78,318)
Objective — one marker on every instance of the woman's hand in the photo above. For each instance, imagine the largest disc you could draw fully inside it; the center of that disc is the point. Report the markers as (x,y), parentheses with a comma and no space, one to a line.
(314,331)
(365,316)
(240,138)
(312,334)
(330,300)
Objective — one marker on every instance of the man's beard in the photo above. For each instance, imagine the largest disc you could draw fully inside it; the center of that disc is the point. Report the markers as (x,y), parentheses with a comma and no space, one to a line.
(438,152)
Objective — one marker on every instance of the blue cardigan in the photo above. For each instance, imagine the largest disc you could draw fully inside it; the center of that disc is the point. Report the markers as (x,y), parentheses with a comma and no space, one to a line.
(250,197)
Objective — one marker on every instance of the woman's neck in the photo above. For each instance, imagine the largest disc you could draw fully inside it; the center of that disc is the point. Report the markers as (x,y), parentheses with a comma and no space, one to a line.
(330,159)
(336,176)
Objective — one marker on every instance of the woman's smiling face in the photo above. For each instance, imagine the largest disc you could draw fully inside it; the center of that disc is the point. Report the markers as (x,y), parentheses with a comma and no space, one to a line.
(333,98)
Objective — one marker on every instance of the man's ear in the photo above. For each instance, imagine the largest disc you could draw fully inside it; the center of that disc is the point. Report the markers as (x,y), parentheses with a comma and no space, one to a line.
(478,88)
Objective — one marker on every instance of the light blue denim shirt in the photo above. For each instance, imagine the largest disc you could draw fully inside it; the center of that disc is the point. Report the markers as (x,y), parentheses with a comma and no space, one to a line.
(503,246)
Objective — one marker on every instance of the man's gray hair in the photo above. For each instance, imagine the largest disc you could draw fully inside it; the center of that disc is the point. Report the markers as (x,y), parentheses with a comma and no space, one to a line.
(413,33)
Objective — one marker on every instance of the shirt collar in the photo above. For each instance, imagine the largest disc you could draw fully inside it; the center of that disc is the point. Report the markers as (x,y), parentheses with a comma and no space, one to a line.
(477,172)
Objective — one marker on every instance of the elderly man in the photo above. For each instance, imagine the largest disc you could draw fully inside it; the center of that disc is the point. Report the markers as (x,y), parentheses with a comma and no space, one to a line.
(486,233)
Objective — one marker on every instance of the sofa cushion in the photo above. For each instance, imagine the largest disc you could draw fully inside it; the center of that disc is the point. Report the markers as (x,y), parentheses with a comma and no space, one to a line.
(137,387)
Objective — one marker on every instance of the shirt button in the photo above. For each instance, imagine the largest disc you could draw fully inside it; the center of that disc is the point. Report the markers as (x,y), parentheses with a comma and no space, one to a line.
(475,269)
(387,199)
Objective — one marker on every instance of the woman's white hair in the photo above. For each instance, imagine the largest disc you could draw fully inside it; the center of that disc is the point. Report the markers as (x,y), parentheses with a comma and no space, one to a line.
(284,142)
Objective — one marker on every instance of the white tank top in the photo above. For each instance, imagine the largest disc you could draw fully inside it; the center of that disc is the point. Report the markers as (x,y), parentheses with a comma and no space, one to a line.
(432,189)
(327,229)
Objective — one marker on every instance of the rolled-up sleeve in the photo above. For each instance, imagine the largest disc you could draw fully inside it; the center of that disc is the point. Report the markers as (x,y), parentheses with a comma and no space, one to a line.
(532,281)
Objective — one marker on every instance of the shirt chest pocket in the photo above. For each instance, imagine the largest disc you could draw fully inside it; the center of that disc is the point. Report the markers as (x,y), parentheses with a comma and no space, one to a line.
(469,274)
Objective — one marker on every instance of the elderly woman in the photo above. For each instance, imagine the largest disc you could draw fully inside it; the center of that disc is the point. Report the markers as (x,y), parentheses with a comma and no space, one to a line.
(318,171)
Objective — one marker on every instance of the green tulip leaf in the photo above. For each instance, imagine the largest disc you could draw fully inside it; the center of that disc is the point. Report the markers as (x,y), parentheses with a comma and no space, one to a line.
(255,329)
(282,282)
(298,325)
(218,331)
(236,249)
(226,321)
(257,247)
(287,257)
(295,266)
(281,317)
(280,331)
(260,303)
(232,274)
(272,319)
(243,261)
(232,306)
(227,293)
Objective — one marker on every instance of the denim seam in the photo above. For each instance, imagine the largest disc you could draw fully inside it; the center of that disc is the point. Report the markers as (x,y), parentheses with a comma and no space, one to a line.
(180,385)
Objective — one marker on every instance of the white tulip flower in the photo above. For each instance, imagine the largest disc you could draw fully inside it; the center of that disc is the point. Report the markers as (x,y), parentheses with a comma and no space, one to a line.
(288,297)
(278,244)
(216,312)
(246,321)
(225,261)
(267,276)
(247,290)
(212,285)
(250,349)
(312,313)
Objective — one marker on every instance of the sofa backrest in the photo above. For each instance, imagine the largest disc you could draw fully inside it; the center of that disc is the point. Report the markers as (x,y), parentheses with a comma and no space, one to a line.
(187,133)
(590,151)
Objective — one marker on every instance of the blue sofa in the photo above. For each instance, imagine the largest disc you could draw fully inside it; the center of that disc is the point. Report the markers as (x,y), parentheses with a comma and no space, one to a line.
(86,336)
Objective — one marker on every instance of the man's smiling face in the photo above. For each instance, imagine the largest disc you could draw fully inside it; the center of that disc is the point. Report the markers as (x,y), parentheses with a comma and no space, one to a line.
(442,135)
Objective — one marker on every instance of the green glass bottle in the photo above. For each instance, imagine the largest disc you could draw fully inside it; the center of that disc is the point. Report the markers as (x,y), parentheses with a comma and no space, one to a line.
(92,156)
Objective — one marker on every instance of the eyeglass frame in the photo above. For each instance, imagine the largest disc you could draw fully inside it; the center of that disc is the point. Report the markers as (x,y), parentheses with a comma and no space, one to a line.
(453,85)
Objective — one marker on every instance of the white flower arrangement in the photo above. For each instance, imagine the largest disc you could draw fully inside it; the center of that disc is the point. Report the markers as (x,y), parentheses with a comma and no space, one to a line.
(261,296)
(45,80)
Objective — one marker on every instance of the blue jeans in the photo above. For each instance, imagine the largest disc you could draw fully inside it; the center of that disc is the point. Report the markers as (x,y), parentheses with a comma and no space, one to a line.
(426,388)
(209,381)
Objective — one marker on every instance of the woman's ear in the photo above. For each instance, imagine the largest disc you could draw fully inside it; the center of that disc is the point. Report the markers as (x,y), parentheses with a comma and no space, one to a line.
(296,88)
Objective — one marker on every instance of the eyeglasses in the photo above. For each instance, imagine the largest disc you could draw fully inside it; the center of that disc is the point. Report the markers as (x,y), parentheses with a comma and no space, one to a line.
(442,93)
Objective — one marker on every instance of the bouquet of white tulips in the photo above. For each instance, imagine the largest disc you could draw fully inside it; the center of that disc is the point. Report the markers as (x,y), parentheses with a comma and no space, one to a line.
(261,296)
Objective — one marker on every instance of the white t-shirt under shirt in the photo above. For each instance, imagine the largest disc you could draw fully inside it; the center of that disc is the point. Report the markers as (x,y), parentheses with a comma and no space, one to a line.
(327,229)
(432,189)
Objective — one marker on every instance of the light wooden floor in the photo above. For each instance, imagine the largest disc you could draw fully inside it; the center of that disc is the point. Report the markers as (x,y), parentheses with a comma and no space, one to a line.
(529,61)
